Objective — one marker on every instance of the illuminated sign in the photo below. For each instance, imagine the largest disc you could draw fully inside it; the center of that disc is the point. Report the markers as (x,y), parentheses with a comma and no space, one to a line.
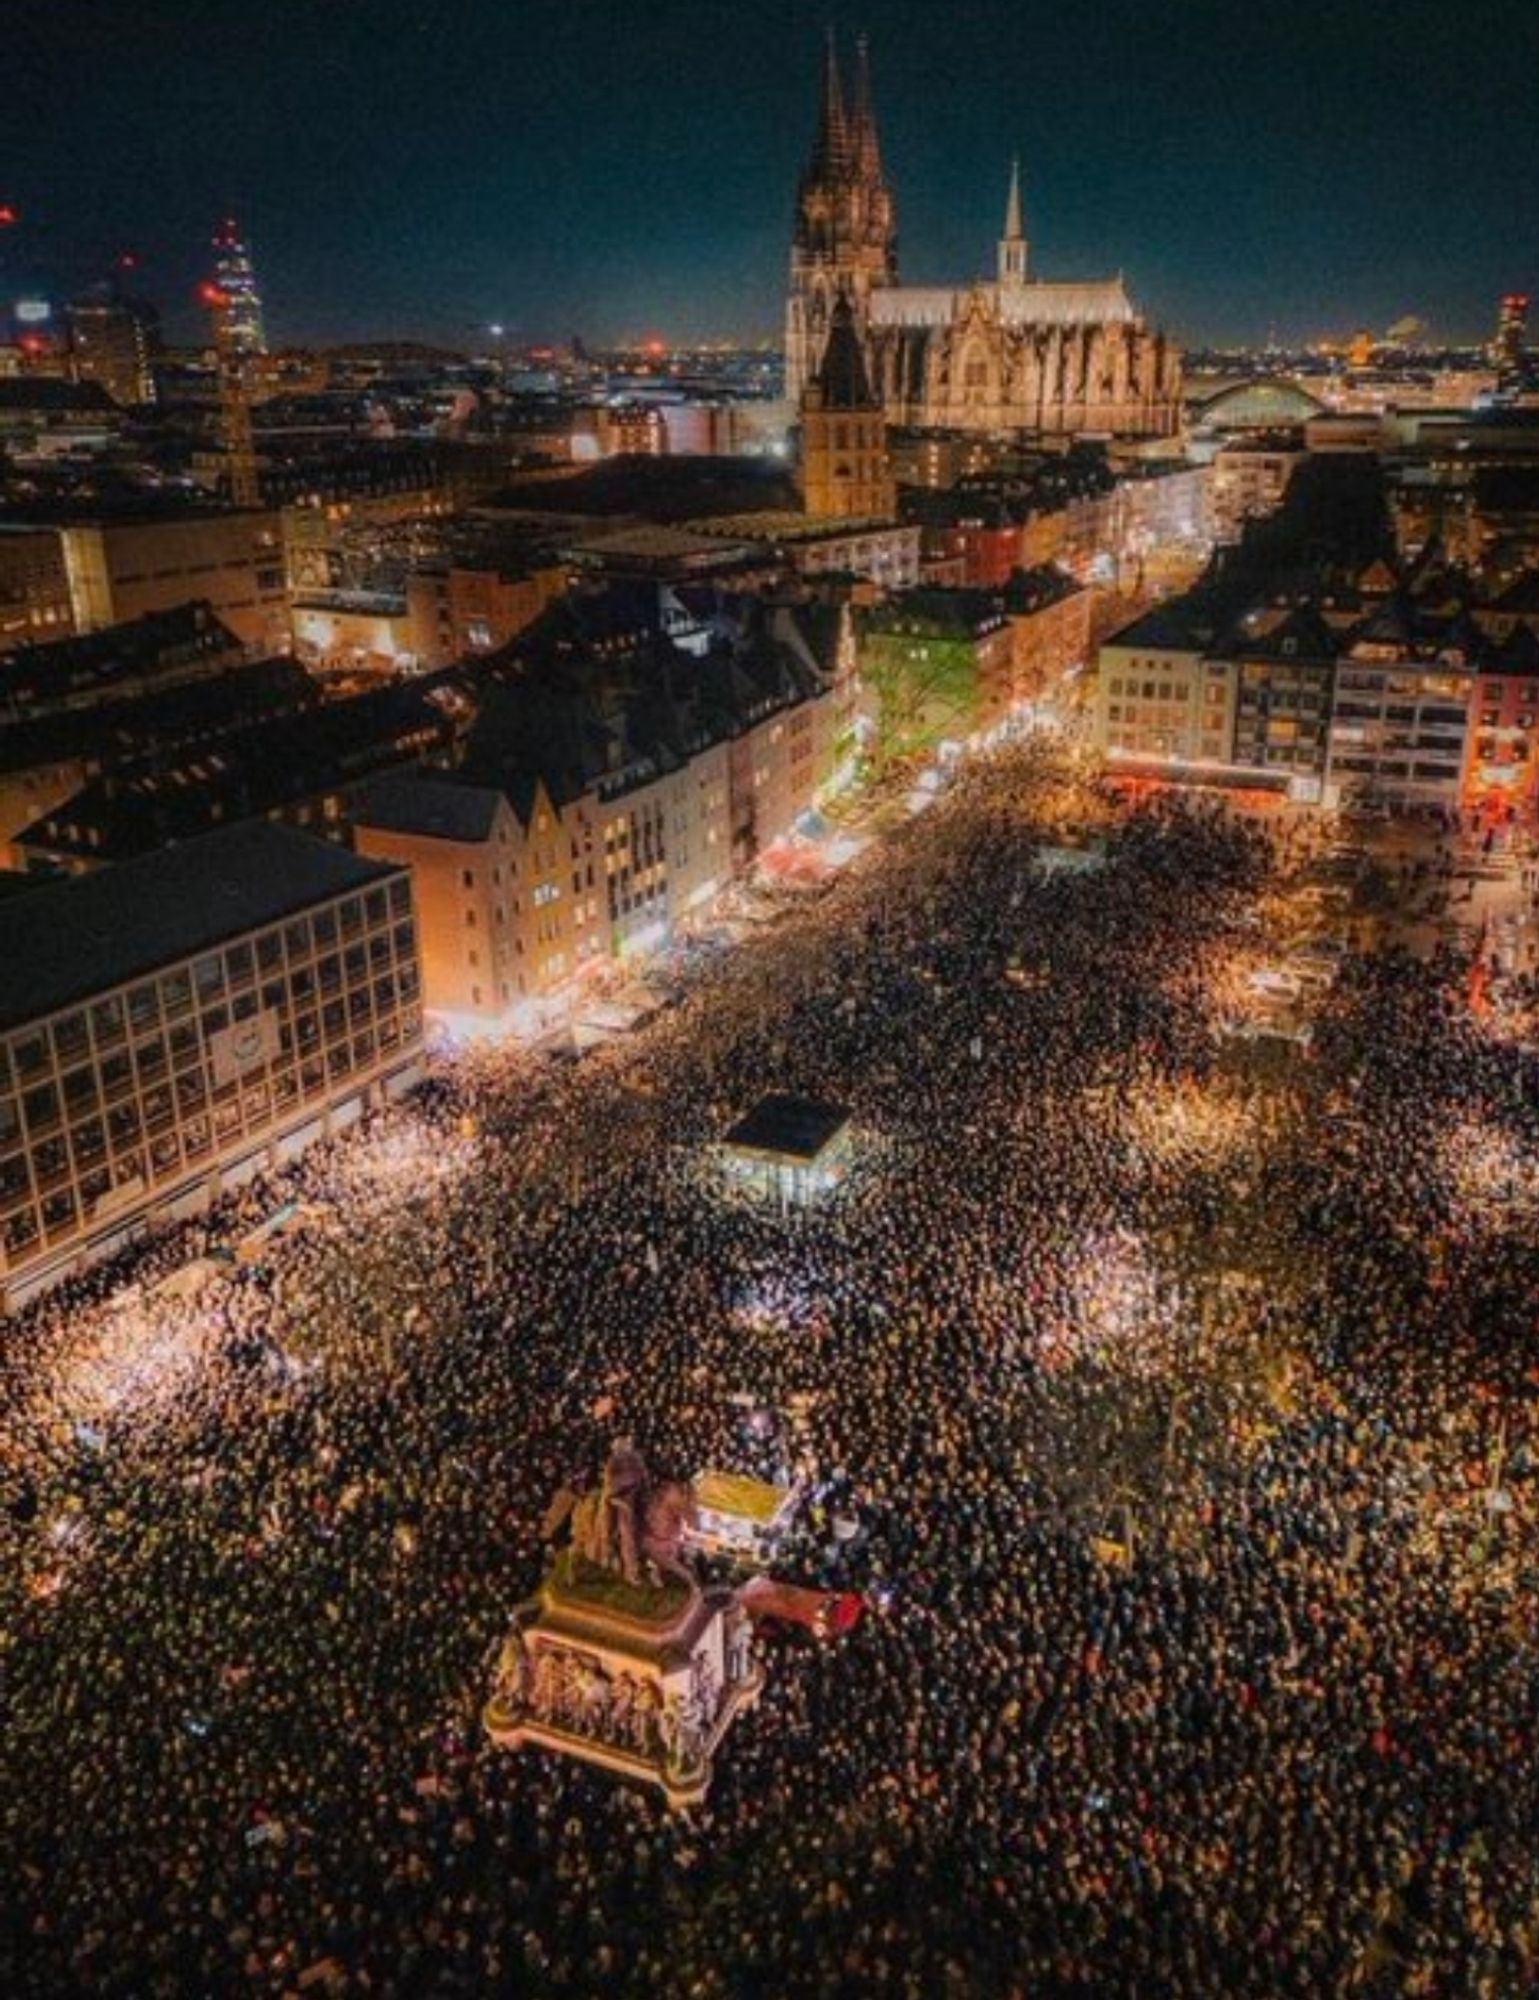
(33,312)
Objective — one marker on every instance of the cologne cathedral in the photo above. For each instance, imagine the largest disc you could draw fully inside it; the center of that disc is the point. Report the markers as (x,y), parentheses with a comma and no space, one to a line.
(1020,354)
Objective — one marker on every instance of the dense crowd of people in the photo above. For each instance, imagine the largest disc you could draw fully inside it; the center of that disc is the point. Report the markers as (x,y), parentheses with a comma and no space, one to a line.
(1182,1388)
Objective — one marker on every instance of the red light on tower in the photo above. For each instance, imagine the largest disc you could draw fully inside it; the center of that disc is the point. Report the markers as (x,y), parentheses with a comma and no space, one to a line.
(8,215)
(215,297)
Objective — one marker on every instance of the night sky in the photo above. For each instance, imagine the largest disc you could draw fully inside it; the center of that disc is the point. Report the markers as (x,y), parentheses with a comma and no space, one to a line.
(627,167)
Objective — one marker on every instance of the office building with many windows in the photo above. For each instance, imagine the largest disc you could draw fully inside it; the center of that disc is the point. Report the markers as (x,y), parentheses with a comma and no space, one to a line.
(170,1028)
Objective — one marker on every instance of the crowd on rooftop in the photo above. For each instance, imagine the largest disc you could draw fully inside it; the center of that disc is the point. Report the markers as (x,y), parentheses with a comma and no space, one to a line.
(1182,1390)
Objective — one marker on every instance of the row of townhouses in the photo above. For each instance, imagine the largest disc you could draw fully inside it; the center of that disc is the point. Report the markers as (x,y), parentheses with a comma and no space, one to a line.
(633,753)
(1418,693)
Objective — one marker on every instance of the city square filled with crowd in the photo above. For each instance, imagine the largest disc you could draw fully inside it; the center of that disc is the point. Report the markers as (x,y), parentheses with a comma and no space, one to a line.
(1181,1387)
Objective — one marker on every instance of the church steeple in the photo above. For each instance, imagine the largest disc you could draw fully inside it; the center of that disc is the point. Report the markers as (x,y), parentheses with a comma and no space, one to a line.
(1012,245)
(845,234)
(833,155)
(868,151)
(845,472)
(842,381)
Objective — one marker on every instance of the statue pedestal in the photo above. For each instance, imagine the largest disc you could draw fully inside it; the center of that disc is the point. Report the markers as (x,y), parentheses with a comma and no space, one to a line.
(641,1679)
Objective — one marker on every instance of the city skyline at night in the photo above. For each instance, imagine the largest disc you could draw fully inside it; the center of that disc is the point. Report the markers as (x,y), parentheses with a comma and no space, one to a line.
(426,170)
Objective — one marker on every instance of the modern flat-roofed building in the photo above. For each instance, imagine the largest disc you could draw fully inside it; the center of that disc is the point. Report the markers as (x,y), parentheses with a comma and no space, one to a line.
(170,1028)
(124,561)
(34,587)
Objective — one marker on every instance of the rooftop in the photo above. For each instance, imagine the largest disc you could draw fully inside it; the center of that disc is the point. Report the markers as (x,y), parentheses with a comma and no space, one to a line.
(184,641)
(658,489)
(274,762)
(794,1128)
(93,932)
(788,525)
(156,720)
(438,808)
(934,610)
(50,393)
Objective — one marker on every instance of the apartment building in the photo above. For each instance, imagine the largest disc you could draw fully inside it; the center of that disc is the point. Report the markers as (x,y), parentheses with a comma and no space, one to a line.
(1161,696)
(1400,725)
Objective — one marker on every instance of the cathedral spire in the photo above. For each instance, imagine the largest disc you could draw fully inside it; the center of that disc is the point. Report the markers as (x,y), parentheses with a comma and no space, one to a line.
(832,151)
(1012,245)
(868,151)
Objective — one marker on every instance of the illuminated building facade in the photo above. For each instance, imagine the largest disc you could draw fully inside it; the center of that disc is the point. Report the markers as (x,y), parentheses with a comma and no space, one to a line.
(1249,479)
(938,667)
(235,277)
(173,1027)
(1049,614)
(1159,698)
(1021,353)
(124,563)
(34,587)
(1285,680)
(845,474)
(1502,767)
(1509,350)
(1400,721)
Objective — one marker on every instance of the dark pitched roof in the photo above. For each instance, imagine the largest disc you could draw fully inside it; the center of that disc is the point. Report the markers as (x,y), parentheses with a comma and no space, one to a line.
(1520,598)
(96,931)
(596,693)
(158,721)
(659,489)
(540,729)
(185,640)
(1302,635)
(268,766)
(1507,489)
(1518,653)
(1183,625)
(961,612)
(842,381)
(438,807)
(1391,625)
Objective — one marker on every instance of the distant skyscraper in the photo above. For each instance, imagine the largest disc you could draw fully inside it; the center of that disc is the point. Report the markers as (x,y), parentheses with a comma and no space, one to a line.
(235,277)
(114,341)
(1509,350)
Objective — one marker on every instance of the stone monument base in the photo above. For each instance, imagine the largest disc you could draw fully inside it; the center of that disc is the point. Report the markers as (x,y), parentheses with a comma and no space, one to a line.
(641,1679)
